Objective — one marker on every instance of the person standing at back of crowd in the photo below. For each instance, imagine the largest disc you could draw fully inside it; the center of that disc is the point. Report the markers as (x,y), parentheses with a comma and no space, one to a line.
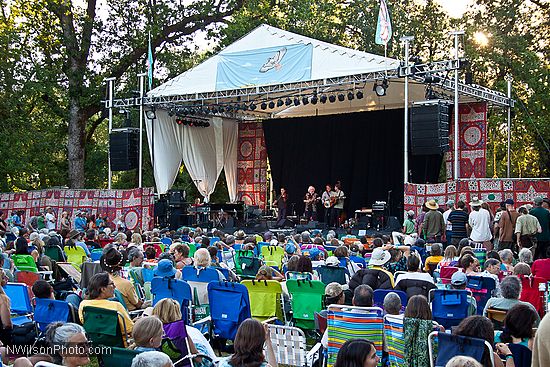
(408,224)
(448,225)
(458,219)
(543,237)
(506,227)
(434,224)
(480,221)
(527,227)
(50,219)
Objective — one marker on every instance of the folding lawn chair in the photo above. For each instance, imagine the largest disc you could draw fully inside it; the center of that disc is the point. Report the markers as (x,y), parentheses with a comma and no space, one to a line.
(75,254)
(48,310)
(306,299)
(19,295)
(103,326)
(199,278)
(298,275)
(249,266)
(395,340)
(24,263)
(329,274)
(449,346)
(96,254)
(172,288)
(229,307)
(522,355)
(446,272)
(289,345)
(348,322)
(497,317)
(482,289)
(449,306)
(265,299)
(120,357)
(55,253)
(273,255)
(27,277)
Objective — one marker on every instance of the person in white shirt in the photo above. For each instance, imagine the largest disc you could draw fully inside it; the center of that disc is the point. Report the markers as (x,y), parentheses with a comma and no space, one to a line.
(480,220)
(448,225)
(50,219)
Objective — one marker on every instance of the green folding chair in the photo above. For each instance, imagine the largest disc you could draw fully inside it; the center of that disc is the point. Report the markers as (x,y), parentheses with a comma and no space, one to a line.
(273,255)
(55,253)
(24,263)
(120,357)
(192,249)
(238,255)
(306,299)
(103,326)
(265,299)
(75,254)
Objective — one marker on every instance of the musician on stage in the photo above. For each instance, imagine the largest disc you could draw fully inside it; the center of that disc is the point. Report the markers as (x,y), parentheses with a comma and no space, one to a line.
(337,199)
(325,198)
(310,200)
(280,203)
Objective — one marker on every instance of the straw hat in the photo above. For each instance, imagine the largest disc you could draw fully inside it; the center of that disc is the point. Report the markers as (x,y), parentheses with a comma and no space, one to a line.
(432,204)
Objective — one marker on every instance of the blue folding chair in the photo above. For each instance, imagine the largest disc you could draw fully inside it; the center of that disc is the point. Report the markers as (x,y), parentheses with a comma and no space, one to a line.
(482,289)
(147,274)
(167,241)
(449,306)
(203,275)
(176,289)
(380,294)
(449,346)
(226,320)
(224,271)
(48,310)
(329,274)
(18,293)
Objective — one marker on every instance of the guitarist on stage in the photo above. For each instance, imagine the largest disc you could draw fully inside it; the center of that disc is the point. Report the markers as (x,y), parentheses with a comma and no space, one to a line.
(310,200)
(337,200)
(280,203)
(325,198)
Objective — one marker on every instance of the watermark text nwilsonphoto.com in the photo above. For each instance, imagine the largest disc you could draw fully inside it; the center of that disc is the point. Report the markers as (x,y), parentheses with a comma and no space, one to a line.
(64,350)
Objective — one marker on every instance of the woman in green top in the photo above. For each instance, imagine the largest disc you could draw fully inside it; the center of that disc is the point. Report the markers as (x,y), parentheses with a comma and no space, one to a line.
(518,326)
(408,224)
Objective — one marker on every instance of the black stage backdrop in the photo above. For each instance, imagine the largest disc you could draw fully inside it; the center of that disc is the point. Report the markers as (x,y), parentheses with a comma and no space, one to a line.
(362,150)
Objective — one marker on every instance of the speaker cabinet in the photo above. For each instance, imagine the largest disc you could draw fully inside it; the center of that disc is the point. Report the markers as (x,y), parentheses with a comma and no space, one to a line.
(429,129)
(124,149)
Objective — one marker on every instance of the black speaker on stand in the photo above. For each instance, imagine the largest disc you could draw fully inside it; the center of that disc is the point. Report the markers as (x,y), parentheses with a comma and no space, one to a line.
(124,149)
(429,127)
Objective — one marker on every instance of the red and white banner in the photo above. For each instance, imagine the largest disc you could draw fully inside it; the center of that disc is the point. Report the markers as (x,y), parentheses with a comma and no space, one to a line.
(134,207)
(252,165)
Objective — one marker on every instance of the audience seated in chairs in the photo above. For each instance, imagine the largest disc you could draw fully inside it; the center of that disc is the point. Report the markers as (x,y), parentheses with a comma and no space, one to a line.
(469,264)
(526,256)
(433,260)
(463,361)
(510,287)
(268,273)
(147,334)
(459,280)
(414,282)
(375,276)
(43,289)
(450,257)
(392,304)
(480,327)
(518,326)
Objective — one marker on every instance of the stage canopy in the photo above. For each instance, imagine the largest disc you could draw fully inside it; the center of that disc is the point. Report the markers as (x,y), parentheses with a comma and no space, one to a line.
(270,74)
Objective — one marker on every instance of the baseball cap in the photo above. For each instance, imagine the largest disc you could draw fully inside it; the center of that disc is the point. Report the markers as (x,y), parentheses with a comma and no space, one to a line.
(333,290)
(290,248)
(459,278)
(332,261)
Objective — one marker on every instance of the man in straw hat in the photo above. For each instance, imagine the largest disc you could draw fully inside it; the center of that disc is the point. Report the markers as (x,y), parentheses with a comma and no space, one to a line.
(479,220)
(433,226)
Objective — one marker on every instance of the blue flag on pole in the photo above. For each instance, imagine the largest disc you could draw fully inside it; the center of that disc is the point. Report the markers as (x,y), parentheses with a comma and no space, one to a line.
(150,64)
(383,28)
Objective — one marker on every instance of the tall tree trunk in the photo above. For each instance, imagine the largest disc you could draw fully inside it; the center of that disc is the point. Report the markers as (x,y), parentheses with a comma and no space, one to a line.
(76,145)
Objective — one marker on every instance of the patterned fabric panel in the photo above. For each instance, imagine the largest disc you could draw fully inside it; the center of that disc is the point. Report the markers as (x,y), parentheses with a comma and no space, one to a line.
(353,323)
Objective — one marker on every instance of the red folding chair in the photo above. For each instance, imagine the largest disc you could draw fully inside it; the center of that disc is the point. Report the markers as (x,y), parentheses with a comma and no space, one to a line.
(446,272)
(27,277)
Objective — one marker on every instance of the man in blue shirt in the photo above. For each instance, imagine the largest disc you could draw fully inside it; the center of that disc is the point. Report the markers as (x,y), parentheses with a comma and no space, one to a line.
(80,222)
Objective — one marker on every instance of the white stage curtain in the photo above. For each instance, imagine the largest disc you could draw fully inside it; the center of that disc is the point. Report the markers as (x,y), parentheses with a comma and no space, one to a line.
(204,152)
(230,146)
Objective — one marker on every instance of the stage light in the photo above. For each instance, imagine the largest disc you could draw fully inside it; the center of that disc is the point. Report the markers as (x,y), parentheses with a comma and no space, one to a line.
(229,108)
(359,94)
(430,79)
(252,106)
(263,106)
(323,98)
(238,98)
(332,98)
(244,107)
(296,101)
(314,99)
(151,115)
(222,109)
(305,100)
(271,105)
(341,97)
(380,89)
(179,121)
(288,101)
(171,112)
(280,103)
(351,95)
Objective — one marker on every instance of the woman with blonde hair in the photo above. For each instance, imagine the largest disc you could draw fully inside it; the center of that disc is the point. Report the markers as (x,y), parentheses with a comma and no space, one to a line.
(120,240)
(65,222)
(202,260)
(169,313)
(136,240)
(147,334)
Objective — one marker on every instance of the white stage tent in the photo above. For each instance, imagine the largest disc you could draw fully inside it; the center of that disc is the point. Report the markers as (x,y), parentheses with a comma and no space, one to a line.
(267,65)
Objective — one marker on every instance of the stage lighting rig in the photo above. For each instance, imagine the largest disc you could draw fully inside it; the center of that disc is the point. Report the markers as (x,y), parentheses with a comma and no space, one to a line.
(323,98)
(288,101)
(296,101)
(271,105)
(351,96)
(380,88)
(263,106)
(305,100)
(359,94)
(332,98)
(341,97)
(314,99)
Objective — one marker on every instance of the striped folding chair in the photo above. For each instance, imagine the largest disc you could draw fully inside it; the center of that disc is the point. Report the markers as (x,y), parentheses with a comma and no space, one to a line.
(289,345)
(395,340)
(348,322)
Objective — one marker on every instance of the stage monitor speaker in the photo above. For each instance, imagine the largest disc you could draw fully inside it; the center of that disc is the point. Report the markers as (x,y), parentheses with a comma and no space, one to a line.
(313,225)
(429,129)
(124,149)
(284,223)
(393,224)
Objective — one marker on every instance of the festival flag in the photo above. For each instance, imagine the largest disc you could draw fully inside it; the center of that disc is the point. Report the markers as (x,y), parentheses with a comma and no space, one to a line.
(150,64)
(383,28)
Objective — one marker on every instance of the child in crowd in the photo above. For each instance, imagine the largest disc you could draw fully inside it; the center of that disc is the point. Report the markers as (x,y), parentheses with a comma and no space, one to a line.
(147,334)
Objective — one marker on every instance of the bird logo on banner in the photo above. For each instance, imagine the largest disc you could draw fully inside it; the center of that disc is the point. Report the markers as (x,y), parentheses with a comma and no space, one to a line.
(383,28)
(274,61)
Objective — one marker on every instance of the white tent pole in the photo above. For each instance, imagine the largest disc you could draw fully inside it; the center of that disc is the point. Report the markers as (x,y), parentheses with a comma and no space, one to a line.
(406,40)
(111,82)
(141,95)
(456,34)
(509,127)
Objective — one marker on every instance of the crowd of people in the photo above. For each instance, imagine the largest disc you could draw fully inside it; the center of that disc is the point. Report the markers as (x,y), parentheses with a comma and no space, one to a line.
(512,244)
